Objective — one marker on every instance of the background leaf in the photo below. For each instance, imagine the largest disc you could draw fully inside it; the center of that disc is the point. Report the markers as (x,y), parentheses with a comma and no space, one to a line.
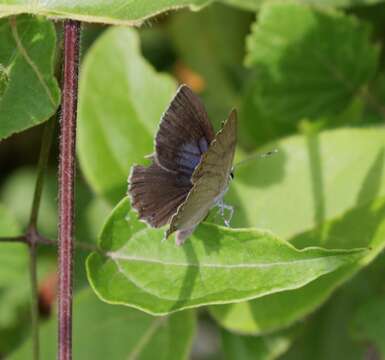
(321,208)
(29,93)
(17,194)
(320,176)
(217,265)
(256,4)
(308,64)
(117,122)
(207,54)
(369,324)
(102,331)
(329,334)
(264,347)
(14,280)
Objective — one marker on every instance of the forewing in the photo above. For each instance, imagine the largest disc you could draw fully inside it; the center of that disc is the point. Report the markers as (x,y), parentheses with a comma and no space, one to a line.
(210,178)
(219,158)
(156,193)
(184,134)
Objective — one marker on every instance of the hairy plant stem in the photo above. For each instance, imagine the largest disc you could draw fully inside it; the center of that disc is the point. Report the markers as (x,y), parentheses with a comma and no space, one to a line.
(66,185)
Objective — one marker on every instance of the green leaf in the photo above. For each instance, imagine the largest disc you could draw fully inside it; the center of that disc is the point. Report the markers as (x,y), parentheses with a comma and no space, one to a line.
(115,12)
(257,347)
(102,331)
(218,265)
(17,194)
(369,324)
(215,52)
(256,4)
(29,94)
(15,292)
(134,12)
(281,310)
(334,196)
(245,4)
(255,127)
(14,266)
(309,63)
(310,180)
(117,122)
(8,224)
(253,134)
(13,281)
(328,333)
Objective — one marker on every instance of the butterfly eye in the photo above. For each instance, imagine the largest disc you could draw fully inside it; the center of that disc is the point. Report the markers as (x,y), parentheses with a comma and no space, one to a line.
(232,175)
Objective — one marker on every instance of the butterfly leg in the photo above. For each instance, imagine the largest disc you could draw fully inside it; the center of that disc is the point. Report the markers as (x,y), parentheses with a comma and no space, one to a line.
(231,212)
(222,207)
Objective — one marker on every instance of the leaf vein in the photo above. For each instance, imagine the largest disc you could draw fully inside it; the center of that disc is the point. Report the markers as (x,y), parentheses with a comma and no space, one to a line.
(30,62)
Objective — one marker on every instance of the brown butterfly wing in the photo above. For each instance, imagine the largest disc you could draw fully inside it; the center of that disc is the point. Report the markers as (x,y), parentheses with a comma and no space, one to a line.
(184,134)
(210,179)
(156,193)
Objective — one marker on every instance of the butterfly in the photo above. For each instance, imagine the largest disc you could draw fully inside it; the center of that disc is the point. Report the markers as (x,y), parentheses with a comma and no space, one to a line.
(190,169)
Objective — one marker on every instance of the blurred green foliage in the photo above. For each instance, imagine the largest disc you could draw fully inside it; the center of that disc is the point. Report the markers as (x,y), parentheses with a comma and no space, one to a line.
(307,79)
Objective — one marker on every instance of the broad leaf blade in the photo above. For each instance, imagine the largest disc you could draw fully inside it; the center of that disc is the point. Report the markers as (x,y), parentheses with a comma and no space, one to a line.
(29,93)
(218,265)
(309,63)
(119,110)
(112,12)
(335,197)
(319,177)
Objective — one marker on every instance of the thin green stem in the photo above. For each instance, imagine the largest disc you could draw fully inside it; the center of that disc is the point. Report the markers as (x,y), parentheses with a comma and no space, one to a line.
(41,240)
(34,300)
(14,239)
(32,237)
(42,166)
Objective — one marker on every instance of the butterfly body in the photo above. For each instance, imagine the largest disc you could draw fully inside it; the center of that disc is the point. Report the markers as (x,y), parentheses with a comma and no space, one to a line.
(190,170)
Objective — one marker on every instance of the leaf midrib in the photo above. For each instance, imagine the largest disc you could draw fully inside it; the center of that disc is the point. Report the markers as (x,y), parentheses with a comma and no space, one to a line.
(115,256)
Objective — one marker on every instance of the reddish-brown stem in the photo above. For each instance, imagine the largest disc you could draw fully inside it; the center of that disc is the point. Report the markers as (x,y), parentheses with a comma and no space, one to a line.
(66,185)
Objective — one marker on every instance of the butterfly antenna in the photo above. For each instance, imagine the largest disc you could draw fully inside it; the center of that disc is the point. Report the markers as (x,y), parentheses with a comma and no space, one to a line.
(256,156)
